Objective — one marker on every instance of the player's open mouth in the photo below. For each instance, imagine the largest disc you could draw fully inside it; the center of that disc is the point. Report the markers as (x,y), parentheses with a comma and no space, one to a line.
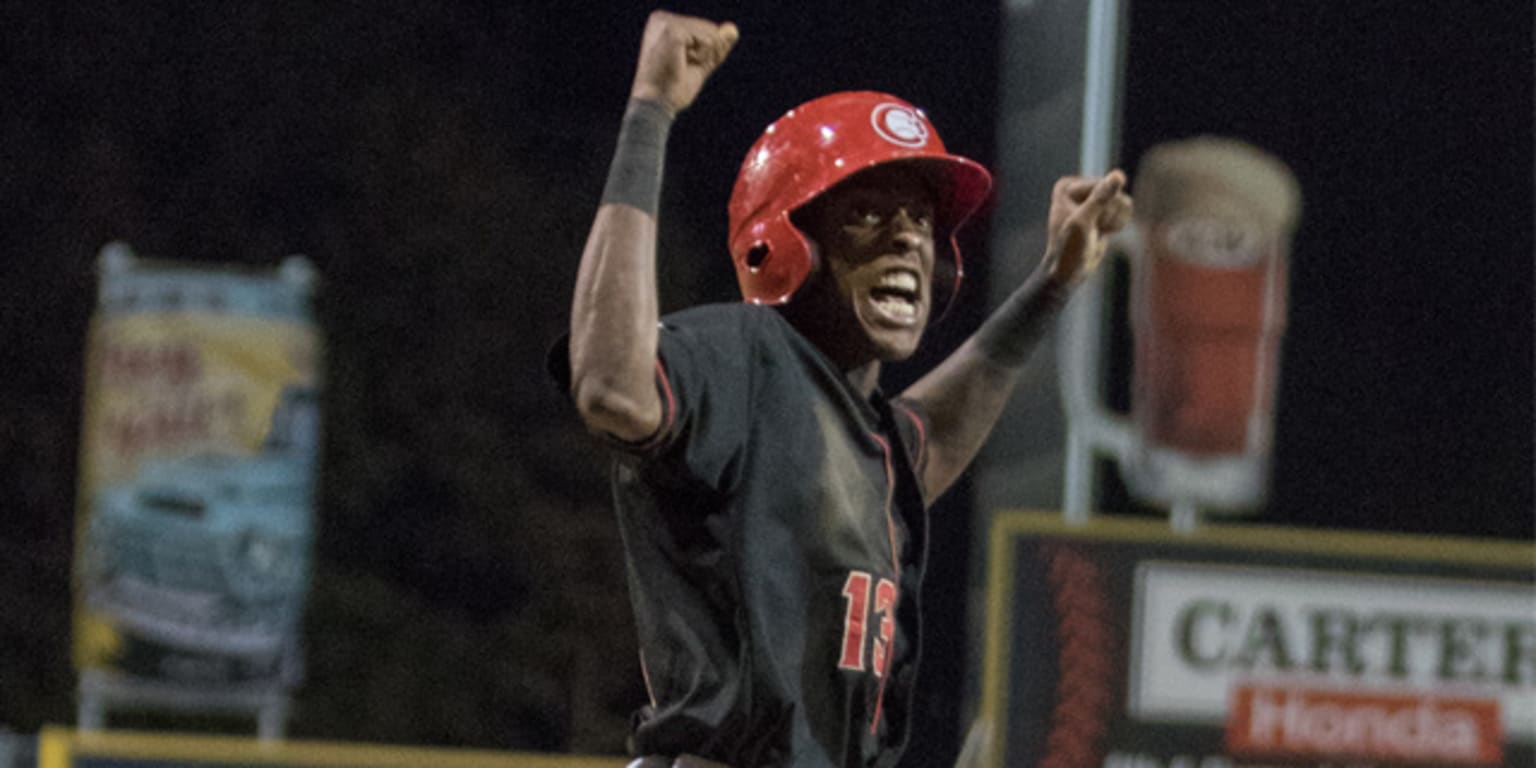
(897,296)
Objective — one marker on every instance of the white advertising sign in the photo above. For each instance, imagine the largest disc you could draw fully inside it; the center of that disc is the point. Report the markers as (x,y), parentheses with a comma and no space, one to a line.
(1199,631)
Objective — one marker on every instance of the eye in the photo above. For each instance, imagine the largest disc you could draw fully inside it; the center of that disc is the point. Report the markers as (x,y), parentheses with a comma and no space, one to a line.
(867,216)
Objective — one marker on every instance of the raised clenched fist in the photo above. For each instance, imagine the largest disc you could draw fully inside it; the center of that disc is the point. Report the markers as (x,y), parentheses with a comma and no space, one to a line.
(677,55)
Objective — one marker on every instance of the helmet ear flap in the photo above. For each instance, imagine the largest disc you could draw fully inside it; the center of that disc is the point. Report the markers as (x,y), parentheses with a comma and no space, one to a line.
(772,260)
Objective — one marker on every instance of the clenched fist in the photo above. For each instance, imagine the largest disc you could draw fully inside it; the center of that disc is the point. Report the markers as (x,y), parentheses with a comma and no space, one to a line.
(677,55)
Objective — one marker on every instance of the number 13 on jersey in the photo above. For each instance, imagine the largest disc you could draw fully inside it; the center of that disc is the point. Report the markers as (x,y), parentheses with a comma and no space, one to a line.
(857,619)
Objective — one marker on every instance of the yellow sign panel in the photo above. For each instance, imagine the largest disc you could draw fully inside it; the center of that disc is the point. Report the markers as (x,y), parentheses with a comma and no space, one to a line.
(174,384)
(64,748)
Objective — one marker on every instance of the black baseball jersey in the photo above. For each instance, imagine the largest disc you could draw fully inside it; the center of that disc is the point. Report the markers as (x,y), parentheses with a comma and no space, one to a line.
(775,538)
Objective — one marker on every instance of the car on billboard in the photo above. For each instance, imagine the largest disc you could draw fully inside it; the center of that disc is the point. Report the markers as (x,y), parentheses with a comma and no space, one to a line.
(211,552)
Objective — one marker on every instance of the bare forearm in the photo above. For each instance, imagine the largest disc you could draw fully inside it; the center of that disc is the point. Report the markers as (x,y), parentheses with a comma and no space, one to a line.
(965,395)
(613,323)
(1013,331)
(614,311)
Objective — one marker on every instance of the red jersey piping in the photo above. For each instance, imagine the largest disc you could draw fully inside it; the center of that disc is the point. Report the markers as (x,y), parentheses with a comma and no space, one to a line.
(890,527)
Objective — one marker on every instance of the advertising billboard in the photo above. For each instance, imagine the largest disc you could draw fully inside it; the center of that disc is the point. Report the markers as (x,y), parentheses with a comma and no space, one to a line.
(1120,643)
(195,506)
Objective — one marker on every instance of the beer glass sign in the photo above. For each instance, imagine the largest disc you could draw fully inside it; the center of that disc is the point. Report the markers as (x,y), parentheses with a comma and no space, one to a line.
(1209,253)
(1205,325)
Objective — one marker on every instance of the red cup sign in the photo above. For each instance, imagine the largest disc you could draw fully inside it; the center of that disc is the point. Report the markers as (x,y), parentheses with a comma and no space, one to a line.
(1207,327)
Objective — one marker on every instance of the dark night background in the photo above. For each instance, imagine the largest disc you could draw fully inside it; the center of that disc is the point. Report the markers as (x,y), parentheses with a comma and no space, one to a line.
(440,163)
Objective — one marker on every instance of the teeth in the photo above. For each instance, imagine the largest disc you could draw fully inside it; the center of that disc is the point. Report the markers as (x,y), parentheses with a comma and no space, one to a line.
(900,281)
(899,308)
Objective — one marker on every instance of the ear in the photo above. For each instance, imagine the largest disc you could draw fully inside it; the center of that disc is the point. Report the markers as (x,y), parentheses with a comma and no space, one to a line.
(813,288)
(803,219)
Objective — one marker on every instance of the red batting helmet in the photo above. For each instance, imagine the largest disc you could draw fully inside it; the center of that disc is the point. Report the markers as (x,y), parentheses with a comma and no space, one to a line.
(813,147)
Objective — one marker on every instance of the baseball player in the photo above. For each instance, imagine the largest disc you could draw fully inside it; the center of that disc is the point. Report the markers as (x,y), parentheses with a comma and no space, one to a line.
(771,498)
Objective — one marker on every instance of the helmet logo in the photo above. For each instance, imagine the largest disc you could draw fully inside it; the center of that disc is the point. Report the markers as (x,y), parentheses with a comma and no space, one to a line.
(900,125)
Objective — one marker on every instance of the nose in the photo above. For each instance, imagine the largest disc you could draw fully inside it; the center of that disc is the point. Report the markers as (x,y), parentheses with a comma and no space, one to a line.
(906,230)
(908,236)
